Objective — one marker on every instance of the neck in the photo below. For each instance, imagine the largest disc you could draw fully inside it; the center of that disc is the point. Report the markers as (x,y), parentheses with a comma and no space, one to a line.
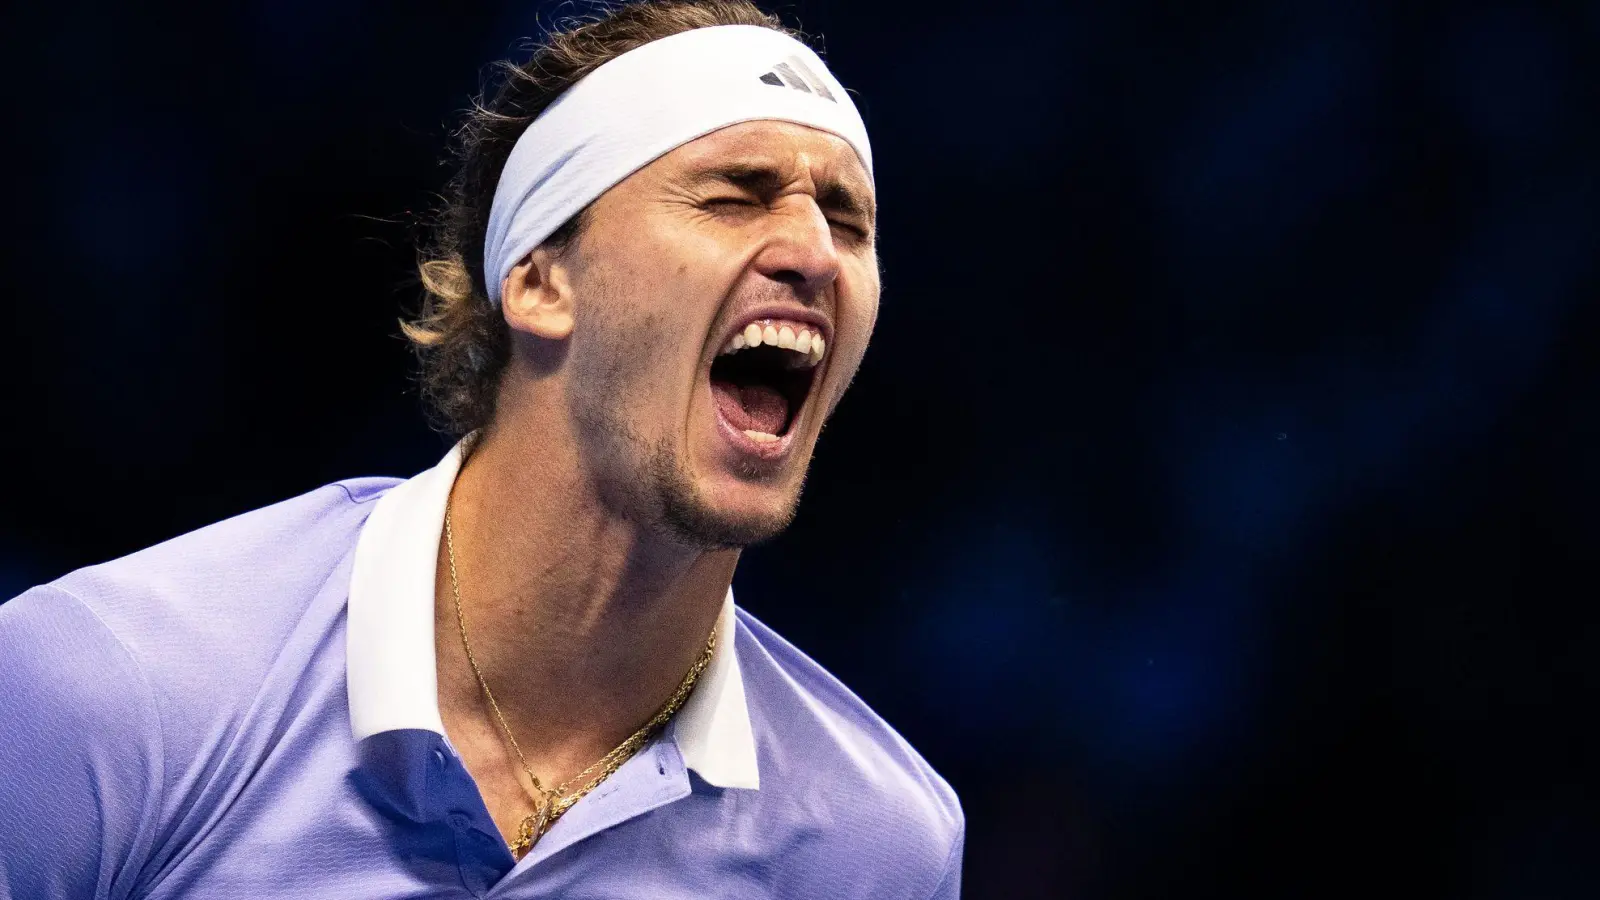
(582,624)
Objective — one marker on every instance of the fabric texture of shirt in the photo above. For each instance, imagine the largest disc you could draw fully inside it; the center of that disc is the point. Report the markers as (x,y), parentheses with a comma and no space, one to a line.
(250,710)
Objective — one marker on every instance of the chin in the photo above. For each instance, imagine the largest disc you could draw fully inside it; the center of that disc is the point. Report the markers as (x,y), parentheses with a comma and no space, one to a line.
(739,515)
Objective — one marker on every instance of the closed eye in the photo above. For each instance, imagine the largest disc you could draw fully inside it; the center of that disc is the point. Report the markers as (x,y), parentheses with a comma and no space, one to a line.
(742,202)
(851,227)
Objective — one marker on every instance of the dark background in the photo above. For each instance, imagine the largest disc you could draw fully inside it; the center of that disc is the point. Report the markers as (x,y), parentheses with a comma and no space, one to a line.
(1216,509)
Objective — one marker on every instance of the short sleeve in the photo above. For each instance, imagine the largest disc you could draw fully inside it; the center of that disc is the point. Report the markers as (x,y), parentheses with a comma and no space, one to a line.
(80,753)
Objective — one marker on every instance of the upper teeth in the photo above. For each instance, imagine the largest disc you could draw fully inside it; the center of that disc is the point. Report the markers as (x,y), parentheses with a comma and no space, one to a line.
(804,340)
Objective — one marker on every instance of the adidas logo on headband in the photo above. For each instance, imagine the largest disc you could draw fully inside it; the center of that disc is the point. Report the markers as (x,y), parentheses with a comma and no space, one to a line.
(794,73)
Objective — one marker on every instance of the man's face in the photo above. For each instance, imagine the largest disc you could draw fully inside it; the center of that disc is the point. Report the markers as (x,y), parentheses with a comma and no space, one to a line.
(759,229)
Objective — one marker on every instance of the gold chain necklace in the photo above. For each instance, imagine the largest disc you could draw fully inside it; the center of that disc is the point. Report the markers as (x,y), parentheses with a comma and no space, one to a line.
(550,803)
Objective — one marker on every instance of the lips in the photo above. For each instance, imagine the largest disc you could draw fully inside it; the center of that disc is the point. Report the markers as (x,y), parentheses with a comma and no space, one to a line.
(761,379)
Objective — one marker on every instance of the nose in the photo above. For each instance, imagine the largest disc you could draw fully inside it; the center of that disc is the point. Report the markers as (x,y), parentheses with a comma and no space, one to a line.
(800,251)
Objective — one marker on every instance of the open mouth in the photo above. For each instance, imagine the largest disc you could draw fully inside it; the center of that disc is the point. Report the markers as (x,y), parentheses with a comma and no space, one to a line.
(762,376)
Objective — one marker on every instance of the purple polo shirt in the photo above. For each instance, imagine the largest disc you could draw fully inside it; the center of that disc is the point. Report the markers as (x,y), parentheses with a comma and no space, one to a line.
(250,711)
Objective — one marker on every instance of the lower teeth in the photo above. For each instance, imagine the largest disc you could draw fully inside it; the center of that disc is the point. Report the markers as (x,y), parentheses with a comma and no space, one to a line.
(760,437)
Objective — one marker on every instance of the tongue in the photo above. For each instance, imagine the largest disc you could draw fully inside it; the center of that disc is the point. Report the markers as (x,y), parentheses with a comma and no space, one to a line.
(754,407)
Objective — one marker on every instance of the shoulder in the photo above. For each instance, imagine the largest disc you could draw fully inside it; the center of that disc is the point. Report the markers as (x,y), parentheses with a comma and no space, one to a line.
(130,678)
(80,749)
(818,741)
(206,616)
(286,538)
(227,571)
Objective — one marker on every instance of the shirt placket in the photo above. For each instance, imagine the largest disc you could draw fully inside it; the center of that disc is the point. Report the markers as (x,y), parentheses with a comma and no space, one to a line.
(653,778)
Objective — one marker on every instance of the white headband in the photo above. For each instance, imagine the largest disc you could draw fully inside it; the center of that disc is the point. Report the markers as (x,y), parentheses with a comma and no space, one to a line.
(639,106)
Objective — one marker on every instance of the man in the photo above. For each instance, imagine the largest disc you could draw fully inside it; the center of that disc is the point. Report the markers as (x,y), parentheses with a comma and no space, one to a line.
(521,673)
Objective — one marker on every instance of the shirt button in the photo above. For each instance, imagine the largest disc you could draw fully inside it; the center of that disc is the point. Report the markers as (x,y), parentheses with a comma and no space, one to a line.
(459,821)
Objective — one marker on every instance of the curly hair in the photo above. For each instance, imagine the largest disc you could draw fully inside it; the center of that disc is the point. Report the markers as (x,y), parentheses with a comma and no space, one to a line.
(461,340)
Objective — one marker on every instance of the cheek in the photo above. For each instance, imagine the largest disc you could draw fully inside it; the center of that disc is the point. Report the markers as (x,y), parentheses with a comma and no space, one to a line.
(859,316)
(858,323)
(611,365)
(677,276)
(638,355)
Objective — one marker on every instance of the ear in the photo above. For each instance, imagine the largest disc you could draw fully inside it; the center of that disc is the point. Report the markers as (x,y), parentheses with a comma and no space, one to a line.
(536,297)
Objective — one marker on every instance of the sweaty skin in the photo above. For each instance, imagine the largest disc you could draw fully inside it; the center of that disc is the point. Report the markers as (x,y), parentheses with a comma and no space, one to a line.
(600,516)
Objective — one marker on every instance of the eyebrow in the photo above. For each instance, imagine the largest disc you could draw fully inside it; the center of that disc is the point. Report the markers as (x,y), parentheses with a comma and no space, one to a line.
(764,181)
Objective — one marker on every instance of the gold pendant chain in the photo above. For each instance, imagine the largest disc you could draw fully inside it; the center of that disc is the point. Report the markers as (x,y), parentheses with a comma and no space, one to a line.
(550,803)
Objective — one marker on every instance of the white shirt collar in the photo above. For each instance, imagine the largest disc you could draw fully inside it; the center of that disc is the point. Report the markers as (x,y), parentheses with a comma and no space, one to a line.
(390,663)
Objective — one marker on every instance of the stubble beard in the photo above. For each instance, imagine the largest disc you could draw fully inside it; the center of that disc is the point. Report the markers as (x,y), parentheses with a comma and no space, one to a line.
(685,514)
(650,484)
